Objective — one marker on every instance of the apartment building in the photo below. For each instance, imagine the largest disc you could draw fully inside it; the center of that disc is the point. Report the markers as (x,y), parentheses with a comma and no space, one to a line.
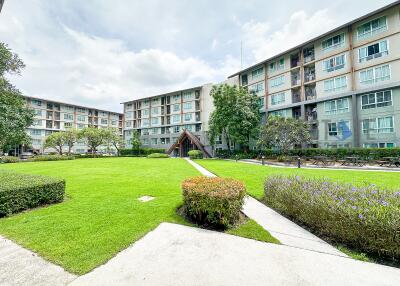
(346,82)
(52,116)
(161,119)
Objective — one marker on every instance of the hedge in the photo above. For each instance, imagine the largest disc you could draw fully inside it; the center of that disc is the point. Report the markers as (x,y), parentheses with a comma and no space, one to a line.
(141,152)
(158,155)
(9,159)
(339,153)
(195,154)
(213,202)
(50,158)
(20,192)
(366,218)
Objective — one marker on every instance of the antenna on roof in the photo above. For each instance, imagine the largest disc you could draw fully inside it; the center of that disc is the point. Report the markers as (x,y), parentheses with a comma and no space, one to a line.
(241,55)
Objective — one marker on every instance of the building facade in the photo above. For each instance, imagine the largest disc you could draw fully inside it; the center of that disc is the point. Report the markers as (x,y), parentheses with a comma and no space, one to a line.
(346,83)
(52,116)
(160,119)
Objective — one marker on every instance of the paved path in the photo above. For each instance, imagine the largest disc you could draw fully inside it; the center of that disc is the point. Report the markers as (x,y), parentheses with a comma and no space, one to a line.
(19,266)
(180,255)
(286,231)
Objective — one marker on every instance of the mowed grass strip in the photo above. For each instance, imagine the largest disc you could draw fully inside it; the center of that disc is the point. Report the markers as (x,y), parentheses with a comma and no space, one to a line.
(254,175)
(101,214)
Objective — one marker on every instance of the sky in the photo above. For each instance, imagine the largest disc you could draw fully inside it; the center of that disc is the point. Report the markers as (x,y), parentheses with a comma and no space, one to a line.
(100,53)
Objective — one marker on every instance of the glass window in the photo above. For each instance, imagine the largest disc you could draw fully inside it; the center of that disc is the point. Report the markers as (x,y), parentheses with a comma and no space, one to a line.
(177,107)
(378,125)
(187,105)
(378,99)
(377,74)
(257,73)
(335,84)
(373,51)
(188,116)
(334,42)
(277,81)
(372,27)
(176,118)
(337,106)
(277,98)
(334,63)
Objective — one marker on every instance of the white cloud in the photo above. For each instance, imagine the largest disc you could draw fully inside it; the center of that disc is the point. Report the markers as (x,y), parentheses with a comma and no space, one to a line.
(262,43)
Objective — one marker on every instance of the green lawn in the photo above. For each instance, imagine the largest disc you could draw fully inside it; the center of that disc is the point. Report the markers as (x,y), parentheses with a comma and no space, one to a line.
(254,175)
(101,214)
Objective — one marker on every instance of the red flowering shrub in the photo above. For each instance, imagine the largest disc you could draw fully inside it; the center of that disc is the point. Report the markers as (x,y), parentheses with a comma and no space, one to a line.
(213,202)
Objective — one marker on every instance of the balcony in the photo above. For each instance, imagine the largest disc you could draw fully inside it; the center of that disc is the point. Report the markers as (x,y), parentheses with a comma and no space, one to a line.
(296,97)
(309,55)
(310,92)
(294,60)
(311,113)
(295,78)
(314,133)
(296,112)
(309,74)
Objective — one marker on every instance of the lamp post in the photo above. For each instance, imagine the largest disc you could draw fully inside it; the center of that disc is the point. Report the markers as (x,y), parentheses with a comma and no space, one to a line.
(263,160)
(298,162)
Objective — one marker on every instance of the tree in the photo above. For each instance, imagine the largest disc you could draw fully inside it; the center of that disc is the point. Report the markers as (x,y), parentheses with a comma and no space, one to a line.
(236,115)
(55,140)
(135,141)
(114,138)
(15,116)
(94,137)
(284,133)
(70,138)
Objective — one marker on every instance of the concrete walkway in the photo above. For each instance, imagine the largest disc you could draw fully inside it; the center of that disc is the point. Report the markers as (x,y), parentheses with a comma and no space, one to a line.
(19,266)
(286,231)
(180,255)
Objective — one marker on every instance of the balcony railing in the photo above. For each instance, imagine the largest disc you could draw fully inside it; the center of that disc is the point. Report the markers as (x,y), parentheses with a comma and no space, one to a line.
(309,76)
(314,134)
(296,97)
(295,81)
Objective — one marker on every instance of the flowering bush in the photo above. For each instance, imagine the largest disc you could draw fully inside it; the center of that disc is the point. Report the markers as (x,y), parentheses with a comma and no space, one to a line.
(367,218)
(215,202)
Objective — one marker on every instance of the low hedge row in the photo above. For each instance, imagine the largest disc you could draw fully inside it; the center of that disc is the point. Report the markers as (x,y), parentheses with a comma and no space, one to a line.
(20,192)
(140,152)
(50,158)
(213,202)
(339,153)
(195,154)
(9,159)
(158,155)
(366,218)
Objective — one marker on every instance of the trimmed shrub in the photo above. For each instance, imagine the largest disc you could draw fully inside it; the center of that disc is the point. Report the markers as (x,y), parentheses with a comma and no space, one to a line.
(214,202)
(9,159)
(158,155)
(50,158)
(142,152)
(195,154)
(20,192)
(366,217)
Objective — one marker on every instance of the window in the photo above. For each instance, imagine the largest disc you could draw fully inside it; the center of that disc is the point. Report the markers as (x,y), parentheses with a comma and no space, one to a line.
(176,118)
(244,79)
(378,125)
(372,27)
(335,84)
(176,97)
(68,116)
(154,141)
(145,132)
(257,73)
(154,131)
(378,99)
(80,110)
(187,105)
(186,95)
(113,122)
(218,140)
(146,103)
(145,122)
(36,132)
(373,51)
(38,112)
(154,120)
(104,121)
(146,112)
(154,110)
(337,106)
(67,124)
(129,115)
(334,63)
(278,65)
(81,126)
(277,81)
(338,128)
(257,88)
(333,43)
(277,98)
(177,129)
(376,74)
(280,113)
(261,102)
(145,141)
(155,101)
(177,107)
(379,145)
(128,124)
(188,116)
(36,102)
(81,118)
(37,122)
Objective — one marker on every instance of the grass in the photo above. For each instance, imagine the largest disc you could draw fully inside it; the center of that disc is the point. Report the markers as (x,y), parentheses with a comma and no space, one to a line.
(101,214)
(251,229)
(254,175)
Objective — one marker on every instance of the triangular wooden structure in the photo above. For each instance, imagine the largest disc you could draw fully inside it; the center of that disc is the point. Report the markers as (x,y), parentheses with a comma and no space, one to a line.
(187,135)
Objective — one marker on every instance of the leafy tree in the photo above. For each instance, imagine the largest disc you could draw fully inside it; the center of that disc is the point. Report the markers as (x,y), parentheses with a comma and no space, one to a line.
(114,138)
(15,116)
(135,141)
(236,115)
(94,137)
(284,133)
(55,140)
(70,138)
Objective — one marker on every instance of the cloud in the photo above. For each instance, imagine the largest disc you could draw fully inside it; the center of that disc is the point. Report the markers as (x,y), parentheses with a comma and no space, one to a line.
(262,42)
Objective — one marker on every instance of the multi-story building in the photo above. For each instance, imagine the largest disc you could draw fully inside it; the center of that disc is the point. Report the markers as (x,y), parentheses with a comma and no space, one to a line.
(52,116)
(160,119)
(346,82)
